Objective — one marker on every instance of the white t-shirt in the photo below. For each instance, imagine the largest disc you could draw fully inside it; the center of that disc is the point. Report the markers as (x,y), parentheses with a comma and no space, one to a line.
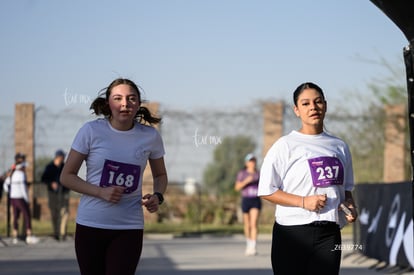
(115,158)
(307,165)
(18,185)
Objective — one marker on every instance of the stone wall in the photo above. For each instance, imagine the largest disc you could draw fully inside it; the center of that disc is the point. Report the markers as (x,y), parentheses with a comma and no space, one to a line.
(272,124)
(394,147)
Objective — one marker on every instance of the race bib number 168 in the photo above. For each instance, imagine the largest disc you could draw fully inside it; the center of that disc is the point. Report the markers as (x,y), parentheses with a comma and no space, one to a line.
(120,174)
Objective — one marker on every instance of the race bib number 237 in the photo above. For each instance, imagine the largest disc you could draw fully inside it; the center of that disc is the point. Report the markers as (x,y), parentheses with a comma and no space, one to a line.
(120,174)
(326,171)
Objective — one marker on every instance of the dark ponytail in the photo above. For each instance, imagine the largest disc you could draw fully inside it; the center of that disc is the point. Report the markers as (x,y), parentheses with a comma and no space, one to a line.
(100,107)
(144,115)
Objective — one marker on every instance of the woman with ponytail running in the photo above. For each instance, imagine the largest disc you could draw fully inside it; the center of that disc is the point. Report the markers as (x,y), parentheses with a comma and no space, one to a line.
(116,148)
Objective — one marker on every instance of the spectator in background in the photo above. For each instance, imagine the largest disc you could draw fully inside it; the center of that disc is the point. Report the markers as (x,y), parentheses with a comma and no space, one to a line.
(247,182)
(58,195)
(16,185)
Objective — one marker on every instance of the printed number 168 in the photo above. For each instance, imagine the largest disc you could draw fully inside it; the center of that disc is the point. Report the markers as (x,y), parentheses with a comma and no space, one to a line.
(120,180)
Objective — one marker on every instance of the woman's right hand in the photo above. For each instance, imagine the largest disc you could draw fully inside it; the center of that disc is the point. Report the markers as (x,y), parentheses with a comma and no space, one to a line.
(315,202)
(248,179)
(111,194)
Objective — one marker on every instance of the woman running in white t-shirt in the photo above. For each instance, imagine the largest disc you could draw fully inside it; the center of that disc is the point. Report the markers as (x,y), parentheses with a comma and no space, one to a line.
(308,174)
(116,148)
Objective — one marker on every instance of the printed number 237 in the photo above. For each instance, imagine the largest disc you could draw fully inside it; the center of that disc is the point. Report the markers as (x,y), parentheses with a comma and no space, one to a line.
(120,179)
(327,172)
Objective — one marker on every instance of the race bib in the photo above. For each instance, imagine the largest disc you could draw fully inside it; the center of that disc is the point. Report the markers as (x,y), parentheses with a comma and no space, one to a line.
(326,171)
(120,174)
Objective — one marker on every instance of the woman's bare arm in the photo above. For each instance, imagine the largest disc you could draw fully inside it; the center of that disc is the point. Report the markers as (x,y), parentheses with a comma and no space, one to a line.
(69,178)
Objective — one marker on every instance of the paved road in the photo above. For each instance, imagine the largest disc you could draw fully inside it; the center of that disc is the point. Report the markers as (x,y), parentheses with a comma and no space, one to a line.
(163,254)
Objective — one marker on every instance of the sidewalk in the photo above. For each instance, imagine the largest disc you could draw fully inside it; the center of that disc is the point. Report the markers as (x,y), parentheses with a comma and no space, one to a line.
(163,254)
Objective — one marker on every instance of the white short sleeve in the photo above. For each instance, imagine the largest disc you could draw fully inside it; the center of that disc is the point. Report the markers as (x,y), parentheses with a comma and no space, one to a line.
(82,140)
(158,150)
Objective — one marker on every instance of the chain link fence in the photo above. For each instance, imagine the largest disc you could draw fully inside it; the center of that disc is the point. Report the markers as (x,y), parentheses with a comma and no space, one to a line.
(190,136)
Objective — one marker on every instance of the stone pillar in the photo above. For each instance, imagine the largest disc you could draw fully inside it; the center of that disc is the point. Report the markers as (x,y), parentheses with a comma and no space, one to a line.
(394,147)
(24,135)
(24,139)
(273,123)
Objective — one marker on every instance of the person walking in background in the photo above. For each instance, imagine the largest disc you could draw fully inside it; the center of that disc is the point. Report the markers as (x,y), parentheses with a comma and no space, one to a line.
(247,182)
(116,148)
(16,186)
(58,195)
(308,174)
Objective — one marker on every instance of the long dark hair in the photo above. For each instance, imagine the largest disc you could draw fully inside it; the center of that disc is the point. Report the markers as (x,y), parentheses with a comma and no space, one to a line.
(100,105)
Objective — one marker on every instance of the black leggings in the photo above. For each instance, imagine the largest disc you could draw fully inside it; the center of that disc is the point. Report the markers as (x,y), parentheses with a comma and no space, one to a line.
(306,249)
(107,252)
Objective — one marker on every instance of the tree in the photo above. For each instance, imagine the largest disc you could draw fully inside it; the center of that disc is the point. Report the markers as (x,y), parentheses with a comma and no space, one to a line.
(363,125)
(228,158)
(365,136)
(390,89)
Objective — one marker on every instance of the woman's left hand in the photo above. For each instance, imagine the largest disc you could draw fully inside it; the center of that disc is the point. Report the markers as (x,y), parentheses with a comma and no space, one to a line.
(150,202)
(354,214)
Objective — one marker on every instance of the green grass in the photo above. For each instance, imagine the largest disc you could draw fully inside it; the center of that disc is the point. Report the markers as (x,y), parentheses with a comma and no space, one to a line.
(39,228)
(44,228)
(188,229)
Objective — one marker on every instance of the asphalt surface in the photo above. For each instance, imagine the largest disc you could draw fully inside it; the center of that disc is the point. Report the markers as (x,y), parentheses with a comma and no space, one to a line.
(164,254)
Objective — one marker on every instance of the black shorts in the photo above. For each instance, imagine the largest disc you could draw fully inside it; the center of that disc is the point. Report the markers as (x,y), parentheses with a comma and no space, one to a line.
(249,203)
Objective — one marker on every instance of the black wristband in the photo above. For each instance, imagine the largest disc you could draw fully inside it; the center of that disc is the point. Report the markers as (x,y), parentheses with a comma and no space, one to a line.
(160,197)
